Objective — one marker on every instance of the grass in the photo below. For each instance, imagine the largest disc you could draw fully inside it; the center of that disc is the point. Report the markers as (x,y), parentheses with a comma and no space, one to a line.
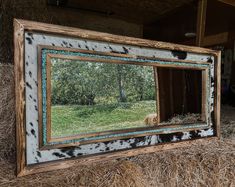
(77,119)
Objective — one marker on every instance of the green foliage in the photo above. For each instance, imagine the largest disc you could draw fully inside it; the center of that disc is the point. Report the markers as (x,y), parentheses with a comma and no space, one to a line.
(76,119)
(85,83)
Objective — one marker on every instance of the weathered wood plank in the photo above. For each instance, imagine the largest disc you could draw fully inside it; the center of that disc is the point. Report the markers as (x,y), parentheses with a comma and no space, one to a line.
(92,35)
(228,2)
(44,167)
(20,95)
(201,21)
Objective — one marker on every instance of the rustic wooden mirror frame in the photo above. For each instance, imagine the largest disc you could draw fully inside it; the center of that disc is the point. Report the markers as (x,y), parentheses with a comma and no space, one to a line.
(107,135)
(25,32)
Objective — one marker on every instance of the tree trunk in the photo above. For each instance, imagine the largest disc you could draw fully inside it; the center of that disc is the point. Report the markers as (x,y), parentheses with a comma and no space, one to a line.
(141,88)
(122,95)
(90,99)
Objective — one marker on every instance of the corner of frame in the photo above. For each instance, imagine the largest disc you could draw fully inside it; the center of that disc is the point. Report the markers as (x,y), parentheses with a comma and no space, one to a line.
(17,23)
(20,173)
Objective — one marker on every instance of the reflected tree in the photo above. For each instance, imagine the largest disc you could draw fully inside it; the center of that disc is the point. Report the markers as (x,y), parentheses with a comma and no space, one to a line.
(85,83)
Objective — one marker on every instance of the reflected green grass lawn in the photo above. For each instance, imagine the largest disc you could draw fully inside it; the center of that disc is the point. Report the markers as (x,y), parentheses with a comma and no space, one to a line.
(77,119)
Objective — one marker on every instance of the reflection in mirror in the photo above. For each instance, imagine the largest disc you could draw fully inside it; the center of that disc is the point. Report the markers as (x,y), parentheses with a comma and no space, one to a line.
(89,97)
(181,90)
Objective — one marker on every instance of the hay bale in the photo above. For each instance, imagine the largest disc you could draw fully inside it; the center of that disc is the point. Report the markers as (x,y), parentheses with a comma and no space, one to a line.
(228,122)
(209,164)
(183,118)
(113,173)
(7,113)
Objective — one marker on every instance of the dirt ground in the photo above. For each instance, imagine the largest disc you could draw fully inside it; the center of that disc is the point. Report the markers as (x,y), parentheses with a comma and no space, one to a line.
(209,164)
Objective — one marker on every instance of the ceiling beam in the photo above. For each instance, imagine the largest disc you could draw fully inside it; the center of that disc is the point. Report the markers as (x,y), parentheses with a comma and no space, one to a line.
(215,39)
(228,2)
(211,40)
(201,21)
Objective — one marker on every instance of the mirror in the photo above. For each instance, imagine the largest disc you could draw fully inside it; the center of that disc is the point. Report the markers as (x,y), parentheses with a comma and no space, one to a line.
(76,84)
(89,97)
(181,90)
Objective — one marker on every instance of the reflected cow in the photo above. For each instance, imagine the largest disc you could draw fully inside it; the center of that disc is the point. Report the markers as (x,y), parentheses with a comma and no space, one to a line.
(151,120)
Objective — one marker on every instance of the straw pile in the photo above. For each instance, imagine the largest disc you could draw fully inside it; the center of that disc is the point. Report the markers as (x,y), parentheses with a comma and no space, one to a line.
(208,164)
(7,113)
(183,118)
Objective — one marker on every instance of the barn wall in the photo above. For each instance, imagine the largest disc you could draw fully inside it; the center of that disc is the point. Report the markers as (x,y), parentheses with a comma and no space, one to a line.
(38,10)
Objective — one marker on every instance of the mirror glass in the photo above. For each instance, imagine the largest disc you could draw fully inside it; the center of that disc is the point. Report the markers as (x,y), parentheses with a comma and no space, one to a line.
(180,92)
(90,97)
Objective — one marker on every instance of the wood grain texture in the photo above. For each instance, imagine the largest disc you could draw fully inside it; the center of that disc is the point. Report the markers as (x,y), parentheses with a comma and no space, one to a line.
(218,93)
(228,2)
(204,113)
(61,139)
(157,94)
(201,21)
(20,96)
(143,12)
(39,91)
(181,92)
(38,168)
(102,60)
(48,82)
(40,47)
(215,39)
(99,36)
